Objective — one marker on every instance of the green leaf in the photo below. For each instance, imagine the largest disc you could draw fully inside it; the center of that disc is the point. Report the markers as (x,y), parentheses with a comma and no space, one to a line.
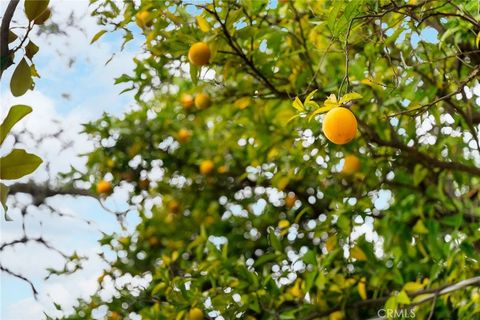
(3,200)
(15,114)
(31,49)
(98,35)
(21,79)
(419,173)
(349,97)
(310,96)
(454,221)
(297,104)
(320,110)
(194,73)
(274,240)
(403,298)
(34,8)
(419,228)
(17,164)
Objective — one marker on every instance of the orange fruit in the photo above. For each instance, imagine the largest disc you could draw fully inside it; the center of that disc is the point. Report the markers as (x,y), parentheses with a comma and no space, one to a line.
(222,169)
(173,206)
(290,200)
(339,125)
(195,314)
(114,315)
(104,187)
(143,184)
(183,135)
(206,167)
(143,19)
(187,101)
(199,54)
(202,101)
(351,164)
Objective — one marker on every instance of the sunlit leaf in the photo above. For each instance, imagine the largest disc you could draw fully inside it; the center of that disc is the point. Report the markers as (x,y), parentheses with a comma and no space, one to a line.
(17,164)
(15,114)
(21,79)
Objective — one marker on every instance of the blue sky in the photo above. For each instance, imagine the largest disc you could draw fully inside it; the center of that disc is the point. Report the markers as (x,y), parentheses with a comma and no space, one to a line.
(90,85)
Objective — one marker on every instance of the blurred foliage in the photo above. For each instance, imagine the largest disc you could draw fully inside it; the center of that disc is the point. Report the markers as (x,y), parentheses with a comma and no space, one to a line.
(275,230)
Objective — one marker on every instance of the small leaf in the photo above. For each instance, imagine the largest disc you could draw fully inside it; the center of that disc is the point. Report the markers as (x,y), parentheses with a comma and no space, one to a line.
(412,286)
(43,17)
(34,71)
(310,96)
(282,224)
(358,254)
(242,103)
(17,164)
(403,298)
(11,36)
(362,290)
(3,200)
(297,104)
(349,97)
(34,8)
(478,40)
(14,115)
(194,73)
(331,243)
(31,49)
(203,24)
(319,111)
(98,35)
(419,228)
(21,79)
(274,240)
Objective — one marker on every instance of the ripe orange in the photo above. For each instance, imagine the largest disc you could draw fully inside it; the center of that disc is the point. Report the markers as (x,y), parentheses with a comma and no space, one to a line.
(199,54)
(290,200)
(351,164)
(339,125)
(143,19)
(173,206)
(187,101)
(206,167)
(104,187)
(114,315)
(143,184)
(183,135)
(202,101)
(195,314)
(222,169)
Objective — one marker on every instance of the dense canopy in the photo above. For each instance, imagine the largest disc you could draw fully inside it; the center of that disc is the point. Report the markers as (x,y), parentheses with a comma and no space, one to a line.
(247,210)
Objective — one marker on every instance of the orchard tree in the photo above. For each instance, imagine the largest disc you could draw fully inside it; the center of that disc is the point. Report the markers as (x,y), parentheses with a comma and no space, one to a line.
(294,160)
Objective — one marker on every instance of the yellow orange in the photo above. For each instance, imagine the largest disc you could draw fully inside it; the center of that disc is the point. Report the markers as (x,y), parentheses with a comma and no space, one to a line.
(183,135)
(199,54)
(187,101)
(104,187)
(290,200)
(173,206)
(206,167)
(351,164)
(340,125)
(195,314)
(143,19)
(202,101)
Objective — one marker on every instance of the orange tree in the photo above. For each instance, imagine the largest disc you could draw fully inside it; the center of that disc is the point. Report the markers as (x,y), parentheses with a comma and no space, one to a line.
(246,211)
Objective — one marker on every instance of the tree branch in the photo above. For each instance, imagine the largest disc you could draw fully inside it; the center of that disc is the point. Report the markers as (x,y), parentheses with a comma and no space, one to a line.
(5,60)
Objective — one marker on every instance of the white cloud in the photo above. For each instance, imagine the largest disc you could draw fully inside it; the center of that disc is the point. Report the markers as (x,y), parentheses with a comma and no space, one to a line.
(90,84)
